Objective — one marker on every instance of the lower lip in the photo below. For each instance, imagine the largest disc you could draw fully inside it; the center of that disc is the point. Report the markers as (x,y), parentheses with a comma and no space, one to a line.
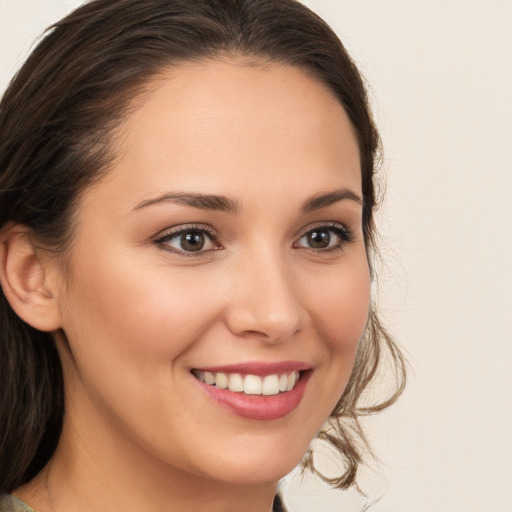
(258,407)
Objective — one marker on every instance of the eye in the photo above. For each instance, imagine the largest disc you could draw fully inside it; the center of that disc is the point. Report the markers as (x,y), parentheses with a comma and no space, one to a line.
(325,238)
(188,240)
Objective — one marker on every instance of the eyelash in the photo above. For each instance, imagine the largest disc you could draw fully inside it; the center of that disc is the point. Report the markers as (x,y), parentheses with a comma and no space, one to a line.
(173,233)
(344,235)
(342,232)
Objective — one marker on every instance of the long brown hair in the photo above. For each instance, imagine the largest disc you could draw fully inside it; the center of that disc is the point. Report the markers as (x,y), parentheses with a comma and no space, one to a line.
(57,118)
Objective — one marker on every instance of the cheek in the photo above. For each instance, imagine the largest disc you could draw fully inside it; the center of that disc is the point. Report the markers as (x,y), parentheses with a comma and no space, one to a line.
(128,332)
(340,316)
(151,312)
(341,311)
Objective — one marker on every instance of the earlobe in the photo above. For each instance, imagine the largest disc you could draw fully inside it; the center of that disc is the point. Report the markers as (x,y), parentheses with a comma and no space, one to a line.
(27,283)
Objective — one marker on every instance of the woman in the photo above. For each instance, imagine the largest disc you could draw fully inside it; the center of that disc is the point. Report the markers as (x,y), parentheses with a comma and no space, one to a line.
(186,213)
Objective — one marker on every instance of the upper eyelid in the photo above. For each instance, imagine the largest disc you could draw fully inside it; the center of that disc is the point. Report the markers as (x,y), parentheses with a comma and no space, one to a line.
(325,225)
(183,228)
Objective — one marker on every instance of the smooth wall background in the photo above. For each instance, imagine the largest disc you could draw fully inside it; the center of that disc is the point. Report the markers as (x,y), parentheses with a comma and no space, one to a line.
(441,78)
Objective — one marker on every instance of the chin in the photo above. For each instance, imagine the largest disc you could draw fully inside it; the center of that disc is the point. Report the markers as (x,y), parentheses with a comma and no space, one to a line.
(257,466)
(265,473)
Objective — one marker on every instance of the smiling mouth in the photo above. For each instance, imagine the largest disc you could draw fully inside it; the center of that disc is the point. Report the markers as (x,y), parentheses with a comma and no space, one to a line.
(256,390)
(249,384)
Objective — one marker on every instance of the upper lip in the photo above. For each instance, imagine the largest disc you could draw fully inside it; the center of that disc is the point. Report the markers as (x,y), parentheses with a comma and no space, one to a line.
(260,368)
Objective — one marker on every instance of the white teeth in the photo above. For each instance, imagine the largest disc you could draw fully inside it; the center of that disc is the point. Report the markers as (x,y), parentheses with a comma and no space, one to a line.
(283,382)
(221,380)
(209,378)
(292,380)
(270,385)
(250,384)
(235,383)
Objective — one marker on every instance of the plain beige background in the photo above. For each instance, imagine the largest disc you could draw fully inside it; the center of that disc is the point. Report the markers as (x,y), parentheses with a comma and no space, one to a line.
(441,76)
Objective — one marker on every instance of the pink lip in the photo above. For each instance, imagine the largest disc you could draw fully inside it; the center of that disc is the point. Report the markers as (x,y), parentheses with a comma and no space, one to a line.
(259,368)
(257,407)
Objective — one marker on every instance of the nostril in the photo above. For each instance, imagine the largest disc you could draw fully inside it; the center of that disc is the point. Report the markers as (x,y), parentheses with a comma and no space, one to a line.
(253,321)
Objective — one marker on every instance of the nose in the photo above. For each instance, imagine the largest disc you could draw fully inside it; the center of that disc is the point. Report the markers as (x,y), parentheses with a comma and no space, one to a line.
(265,301)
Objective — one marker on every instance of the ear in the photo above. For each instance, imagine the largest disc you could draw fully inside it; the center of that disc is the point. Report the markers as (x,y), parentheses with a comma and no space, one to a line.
(28,281)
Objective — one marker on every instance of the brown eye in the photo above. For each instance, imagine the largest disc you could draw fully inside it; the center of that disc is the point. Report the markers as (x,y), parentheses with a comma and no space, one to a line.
(192,241)
(189,240)
(319,238)
(325,238)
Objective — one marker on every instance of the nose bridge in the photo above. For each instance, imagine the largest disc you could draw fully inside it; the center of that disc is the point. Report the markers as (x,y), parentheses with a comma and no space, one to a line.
(266,301)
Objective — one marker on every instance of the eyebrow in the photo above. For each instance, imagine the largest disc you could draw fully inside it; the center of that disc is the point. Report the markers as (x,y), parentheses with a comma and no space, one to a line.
(319,201)
(201,201)
(228,205)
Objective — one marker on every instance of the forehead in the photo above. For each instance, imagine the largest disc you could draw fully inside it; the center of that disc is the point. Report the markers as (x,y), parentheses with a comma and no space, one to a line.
(228,123)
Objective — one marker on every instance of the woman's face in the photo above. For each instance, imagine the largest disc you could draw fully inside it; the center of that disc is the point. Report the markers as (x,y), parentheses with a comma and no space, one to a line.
(224,248)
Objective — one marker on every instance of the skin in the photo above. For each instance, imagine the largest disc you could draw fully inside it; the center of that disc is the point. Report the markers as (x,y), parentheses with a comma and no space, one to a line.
(137,315)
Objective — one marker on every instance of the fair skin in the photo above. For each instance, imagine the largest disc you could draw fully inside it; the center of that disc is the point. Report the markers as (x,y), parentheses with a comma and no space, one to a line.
(271,277)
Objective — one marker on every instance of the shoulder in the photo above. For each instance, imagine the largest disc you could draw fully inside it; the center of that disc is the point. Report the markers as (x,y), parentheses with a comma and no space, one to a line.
(9,503)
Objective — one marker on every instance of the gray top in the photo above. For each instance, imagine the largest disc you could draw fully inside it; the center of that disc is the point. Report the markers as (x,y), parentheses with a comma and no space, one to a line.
(9,503)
